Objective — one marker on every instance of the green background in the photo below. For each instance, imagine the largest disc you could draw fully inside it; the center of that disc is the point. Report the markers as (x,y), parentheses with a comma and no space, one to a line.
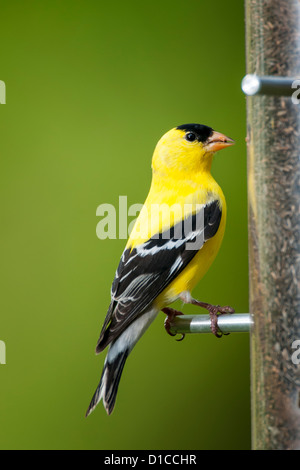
(91,87)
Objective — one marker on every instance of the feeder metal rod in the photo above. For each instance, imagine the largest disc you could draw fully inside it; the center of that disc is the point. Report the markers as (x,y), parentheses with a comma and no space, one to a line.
(267,85)
(236,323)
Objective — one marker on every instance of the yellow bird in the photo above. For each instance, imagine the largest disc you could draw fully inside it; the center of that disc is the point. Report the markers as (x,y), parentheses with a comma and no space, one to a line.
(173,243)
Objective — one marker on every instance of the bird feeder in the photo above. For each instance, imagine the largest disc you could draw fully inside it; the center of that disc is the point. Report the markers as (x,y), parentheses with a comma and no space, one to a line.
(273,140)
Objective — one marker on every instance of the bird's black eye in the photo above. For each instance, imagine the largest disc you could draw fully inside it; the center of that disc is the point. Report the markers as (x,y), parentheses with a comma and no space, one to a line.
(190,136)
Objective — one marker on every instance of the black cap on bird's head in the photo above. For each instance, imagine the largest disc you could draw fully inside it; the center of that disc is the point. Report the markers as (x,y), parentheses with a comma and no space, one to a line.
(212,141)
(201,132)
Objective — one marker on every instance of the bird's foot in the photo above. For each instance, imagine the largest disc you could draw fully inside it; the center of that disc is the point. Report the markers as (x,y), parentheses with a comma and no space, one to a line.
(214,312)
(171,314)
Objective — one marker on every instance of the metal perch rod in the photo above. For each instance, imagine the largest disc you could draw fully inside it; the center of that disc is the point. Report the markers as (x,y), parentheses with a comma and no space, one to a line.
(267,85)
(237,323)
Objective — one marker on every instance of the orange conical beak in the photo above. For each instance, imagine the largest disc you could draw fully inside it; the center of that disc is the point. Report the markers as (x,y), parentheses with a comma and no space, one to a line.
(218,141)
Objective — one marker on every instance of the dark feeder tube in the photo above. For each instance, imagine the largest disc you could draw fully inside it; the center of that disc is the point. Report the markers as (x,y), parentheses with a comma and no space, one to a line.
(273,138)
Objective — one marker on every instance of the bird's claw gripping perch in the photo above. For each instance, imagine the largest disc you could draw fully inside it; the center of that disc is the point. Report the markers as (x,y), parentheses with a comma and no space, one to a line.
(171,314)
(214,321)
(214,312)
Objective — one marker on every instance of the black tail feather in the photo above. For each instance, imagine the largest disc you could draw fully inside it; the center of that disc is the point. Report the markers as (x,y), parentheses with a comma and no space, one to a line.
(109,383)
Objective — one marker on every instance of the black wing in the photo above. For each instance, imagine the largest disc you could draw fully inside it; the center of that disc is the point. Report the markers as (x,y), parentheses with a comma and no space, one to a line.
(144,272)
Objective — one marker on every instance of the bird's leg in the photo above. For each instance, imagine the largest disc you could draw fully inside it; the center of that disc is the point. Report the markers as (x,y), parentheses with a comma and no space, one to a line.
(214,311)
(171,314)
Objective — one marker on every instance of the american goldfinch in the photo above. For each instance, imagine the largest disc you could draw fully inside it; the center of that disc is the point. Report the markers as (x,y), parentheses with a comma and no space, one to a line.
(167,252)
